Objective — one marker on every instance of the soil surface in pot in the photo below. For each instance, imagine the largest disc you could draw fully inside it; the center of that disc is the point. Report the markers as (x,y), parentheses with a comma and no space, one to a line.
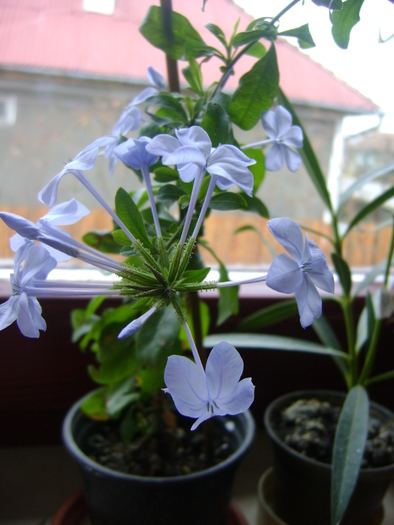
(308,426)
(171,451)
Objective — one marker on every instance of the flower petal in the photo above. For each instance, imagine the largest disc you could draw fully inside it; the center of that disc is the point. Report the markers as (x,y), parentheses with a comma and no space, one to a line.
(162,145)
(186,155)
(8,312)
(284,120)
(294,137)
(309,302)
(284,274)
(25,320)
(48,194)
(274,158)
(239,400)
(223,369)
(146,93)
(293,158)
(270,124)
(66,213)
(136,324)
(289,234)
(196,137)
(155,78)
(187,386)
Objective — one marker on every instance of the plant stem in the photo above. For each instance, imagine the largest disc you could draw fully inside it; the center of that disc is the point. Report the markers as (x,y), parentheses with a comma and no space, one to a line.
(287,8)
(172,68)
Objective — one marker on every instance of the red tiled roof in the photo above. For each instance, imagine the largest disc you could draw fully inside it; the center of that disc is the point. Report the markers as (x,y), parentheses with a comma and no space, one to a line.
(58,35)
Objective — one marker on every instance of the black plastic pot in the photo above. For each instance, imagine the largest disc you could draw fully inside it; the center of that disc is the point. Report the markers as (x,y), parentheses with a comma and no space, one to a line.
(114,498)
(301,490)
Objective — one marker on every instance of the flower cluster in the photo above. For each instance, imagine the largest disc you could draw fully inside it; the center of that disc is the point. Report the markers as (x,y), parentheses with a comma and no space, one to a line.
(164,275)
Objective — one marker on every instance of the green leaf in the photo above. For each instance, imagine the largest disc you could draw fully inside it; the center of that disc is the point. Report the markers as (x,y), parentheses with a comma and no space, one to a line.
(94,406)
(215,30)
(129,214)
(269,316)
(271,342)
(258,169)
(349,443)
(256,91)
(247,37)
(308,155)
(167,100)
(344,20)
(217,124)
(369,208)
(120,395)
(182,39)
(303,35)
(327,336)
(195,276)
(151,380)
(121,362)
(169,193)
(192,74)
(257,50)
(149,129)
(331,4)
(103,242)
(156,338)
(255,205)
(227,201)
(370,277)
(381,171)
(228,304)
(165,174)
(343,271)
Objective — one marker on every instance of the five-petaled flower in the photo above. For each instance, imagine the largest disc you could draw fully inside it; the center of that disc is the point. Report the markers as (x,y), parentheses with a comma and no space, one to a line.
(217,391)
(30,264)
(301,274)
(277,124)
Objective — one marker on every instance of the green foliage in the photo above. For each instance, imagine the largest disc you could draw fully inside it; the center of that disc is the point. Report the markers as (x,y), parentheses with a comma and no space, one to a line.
(256,91)
(344,20)
(350,438)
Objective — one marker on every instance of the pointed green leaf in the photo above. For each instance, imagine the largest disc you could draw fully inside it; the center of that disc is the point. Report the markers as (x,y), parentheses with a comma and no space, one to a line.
(169,193)
(195,276)
(217,124)
(129,214)
(154,341)
(227,201)
(119,395)
(247,37)
(215,30)
(193,75)
(269,316)
(343,271)
(327,336)
(370,277)
(381,171)
(256,91)
(308,155)
(94,406)
(167,100)
(165,174)
(302,33)
(370,207)
(258,169)
(102,241)
(153,28)
(228,304)
(257,50)
(271,342)
(349,443)
(344,20)
(255,205)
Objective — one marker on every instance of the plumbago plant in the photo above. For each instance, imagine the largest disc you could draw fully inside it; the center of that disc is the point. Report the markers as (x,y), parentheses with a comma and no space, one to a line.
(187,156)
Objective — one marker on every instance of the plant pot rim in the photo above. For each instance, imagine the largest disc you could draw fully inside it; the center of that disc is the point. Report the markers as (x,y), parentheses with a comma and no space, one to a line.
(82,458)
(309,394)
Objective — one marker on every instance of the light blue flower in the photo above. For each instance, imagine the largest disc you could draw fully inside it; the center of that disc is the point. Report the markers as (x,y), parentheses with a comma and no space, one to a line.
(277,124)
(30,264)
(62,214)
(193,155)
(217,391)
(85,160)
(135,325)
(156,78)
(300,274)
(130,120)
(133,153)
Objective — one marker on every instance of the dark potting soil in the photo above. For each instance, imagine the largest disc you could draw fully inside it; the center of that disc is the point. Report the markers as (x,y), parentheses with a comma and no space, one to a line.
(308,426)
(168,452)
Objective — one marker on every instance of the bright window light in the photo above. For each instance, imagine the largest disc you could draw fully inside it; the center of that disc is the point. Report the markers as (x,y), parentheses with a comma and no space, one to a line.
(103,7)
